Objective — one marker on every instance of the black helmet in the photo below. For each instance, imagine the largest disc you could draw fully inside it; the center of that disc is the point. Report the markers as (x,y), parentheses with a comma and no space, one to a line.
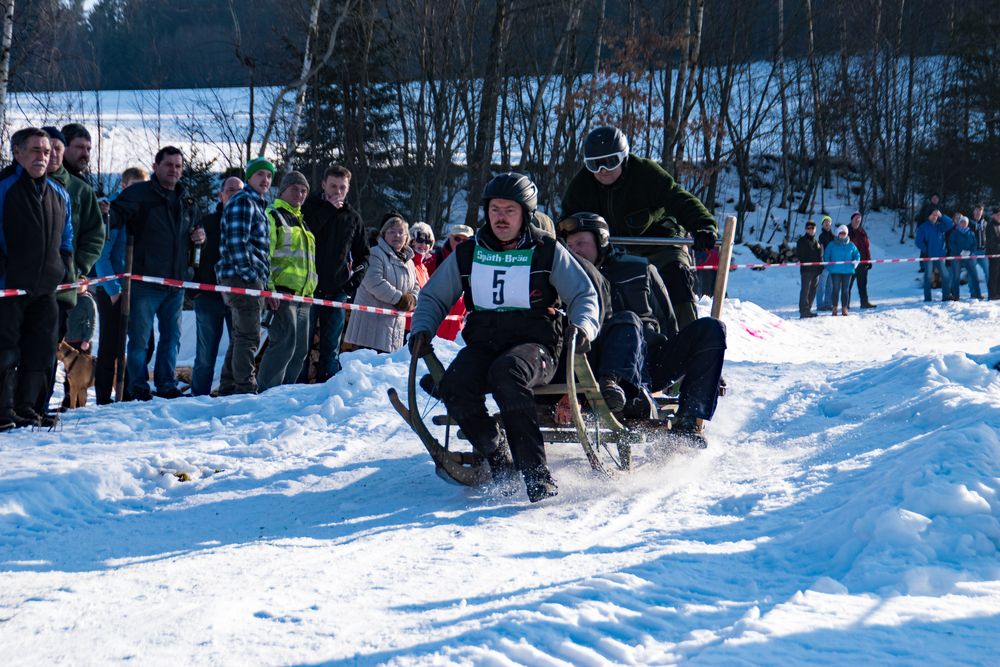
(587,222)
(515,187)
(604,141)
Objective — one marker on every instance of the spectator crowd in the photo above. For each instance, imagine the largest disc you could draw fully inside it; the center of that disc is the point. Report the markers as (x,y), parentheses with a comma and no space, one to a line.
(969,242)
(309,242)
(301,243)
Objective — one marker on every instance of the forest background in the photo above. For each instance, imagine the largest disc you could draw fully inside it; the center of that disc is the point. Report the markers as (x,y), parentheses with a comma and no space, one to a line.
(424,99)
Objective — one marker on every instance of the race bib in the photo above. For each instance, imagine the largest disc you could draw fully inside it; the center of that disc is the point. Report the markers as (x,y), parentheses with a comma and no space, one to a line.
(500,280)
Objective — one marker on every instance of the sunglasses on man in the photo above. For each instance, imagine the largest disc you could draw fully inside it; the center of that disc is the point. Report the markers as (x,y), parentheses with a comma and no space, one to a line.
(606,162)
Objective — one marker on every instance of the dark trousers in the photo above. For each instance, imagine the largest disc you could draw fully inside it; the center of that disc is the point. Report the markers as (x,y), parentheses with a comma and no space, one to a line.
(331,328)
(108,340)
(861,276)
(694,356)
(807,293)
(509,375)
(679,280)
(840,292)
(28,328)
(211,314)
(239,373)
(993,280)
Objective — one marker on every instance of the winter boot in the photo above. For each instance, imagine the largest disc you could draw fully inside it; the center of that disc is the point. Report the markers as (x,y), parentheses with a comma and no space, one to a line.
(502,468)
(539,484)
(32,393)
(844,311)
(612,393)
(689,431)
(868,304)
(8,378)
(427,384)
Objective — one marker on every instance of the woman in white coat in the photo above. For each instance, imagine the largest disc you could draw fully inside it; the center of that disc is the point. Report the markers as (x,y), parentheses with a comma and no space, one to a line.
(390,282)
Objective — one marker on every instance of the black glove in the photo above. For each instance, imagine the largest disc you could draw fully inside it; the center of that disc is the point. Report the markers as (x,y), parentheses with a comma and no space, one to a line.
(420,343)
(704,240)
(574,332)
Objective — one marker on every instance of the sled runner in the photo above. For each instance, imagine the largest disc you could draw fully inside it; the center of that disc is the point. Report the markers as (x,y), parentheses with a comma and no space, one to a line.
(594,432)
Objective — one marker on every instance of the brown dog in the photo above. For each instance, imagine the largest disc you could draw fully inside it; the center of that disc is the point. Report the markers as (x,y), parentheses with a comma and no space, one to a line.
(79,373)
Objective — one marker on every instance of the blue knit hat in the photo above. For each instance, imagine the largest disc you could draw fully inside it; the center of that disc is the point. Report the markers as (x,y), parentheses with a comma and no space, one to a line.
(55,133)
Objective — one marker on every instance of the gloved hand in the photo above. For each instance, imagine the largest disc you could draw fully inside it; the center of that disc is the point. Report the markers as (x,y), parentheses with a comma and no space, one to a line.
(420,343)
(406,302)
(703,240)
(574,332)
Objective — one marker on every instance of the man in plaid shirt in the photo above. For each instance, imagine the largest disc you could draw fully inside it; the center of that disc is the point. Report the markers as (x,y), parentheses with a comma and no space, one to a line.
(245,262)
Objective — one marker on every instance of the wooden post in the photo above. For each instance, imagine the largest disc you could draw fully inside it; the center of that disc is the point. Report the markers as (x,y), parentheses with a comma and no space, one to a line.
(725,259)
(126,298)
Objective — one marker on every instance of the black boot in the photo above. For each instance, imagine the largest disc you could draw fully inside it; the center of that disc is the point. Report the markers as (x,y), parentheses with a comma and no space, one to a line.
(688,431)
(502,469)
(8,379)
(612,393)
(540,484)
(32,395)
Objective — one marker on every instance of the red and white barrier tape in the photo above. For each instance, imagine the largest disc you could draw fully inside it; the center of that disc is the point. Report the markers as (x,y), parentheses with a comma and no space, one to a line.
(870,261)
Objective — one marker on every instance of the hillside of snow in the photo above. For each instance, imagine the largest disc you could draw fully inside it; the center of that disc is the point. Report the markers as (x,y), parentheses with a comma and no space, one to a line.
(846,511)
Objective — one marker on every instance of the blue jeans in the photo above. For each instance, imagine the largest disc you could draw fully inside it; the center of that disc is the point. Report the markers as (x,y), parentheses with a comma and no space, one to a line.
(165,303)
(331,323)
(840,292)
(823,289)
(928,277)
(210,313)
(620,350)
(956,277)
(983,263)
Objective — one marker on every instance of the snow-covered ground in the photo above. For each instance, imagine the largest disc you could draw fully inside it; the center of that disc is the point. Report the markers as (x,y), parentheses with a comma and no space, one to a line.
(847,512)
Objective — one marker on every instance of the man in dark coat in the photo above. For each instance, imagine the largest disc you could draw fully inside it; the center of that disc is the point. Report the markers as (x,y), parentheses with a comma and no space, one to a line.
(36,250)
(696,353)
(159,217)
(637,197)
(859,237)
(341,261)
(210,310)
(808,250)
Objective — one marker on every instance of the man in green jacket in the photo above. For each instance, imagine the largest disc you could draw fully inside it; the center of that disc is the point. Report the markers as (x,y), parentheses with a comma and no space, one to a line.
(638,197)
(293,271)
(88,232)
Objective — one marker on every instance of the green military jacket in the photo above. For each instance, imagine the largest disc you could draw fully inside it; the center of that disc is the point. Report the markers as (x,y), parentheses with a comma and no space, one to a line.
(293,250)
(644,201)
(88,228)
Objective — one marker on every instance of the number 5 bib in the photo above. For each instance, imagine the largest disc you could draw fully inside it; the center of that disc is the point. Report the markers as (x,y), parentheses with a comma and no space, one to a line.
(500,280)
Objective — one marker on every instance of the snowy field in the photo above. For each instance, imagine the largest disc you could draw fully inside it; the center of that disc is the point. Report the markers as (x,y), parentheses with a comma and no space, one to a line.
(846,512)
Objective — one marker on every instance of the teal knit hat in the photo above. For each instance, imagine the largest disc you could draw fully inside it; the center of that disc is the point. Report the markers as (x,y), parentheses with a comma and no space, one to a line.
(256,164)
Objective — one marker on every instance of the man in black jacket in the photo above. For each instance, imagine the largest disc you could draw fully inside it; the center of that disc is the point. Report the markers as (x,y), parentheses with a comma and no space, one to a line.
(637,197)
(808,250)
(341,261)
(210,311)
(36,250)
(160,218)
(695,353)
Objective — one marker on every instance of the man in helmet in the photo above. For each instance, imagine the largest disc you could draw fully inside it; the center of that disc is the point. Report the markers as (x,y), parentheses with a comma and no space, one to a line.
(514,280)
(695,353)
(637,197)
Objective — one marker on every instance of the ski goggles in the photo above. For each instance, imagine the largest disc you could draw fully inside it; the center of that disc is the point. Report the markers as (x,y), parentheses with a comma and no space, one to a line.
(606,162)
(568,226)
